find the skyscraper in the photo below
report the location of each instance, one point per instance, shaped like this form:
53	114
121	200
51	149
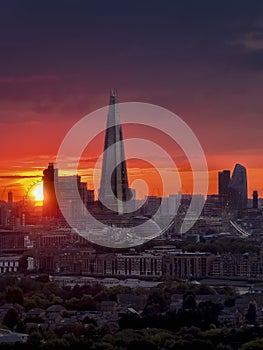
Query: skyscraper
223	182
223	189
255	199
238	188
50	205
114	189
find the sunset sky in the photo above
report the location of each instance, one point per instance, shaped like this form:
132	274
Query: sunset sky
203	60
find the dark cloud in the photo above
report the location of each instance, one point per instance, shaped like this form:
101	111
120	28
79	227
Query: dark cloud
201	59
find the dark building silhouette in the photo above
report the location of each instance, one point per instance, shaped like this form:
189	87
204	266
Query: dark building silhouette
12	241
213	205
255	199
3	213
114	185
10	198
223	187
50	205
223	182
152	205
238	188
65	192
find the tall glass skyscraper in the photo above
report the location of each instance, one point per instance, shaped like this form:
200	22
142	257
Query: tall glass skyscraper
238	188
114	189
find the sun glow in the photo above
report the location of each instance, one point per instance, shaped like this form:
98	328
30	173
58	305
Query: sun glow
37	193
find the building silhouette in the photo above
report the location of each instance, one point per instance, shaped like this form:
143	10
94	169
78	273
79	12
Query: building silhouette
238	188
10	198
223	182
223	187
65	192
114	190
255	199
69	199
50	205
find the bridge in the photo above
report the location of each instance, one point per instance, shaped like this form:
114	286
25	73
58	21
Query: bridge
239	229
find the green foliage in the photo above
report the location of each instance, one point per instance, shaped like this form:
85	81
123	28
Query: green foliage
102	346
221	346
251	313
191	326
14	295
43	278
11	318
55	344
90	331
256	344
35	339
230	301
20	327
189	301
226	245
37	300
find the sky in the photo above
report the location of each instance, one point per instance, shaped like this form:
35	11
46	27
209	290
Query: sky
203	60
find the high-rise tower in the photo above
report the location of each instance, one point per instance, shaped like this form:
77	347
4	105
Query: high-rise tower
238	188
223	189
114	189
50	205
223	182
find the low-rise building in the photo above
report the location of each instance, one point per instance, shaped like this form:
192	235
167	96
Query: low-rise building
9	263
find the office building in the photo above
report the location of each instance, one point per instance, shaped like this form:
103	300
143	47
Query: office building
50	205
238	188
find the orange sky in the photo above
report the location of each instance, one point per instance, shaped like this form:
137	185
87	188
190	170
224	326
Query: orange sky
23	175
29	147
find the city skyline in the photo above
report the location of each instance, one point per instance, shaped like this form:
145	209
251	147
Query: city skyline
131	174
225	178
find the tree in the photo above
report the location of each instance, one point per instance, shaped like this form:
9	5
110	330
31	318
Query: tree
35	339
203	344
251	312
55	344
256	344
20	327
142	344
43	278
208	311
11	318
189	301
14	295
230	301
221	346
90	331
158	297
131	321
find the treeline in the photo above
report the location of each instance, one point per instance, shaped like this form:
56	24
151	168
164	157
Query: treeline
225	245
187	338
158	327
41	292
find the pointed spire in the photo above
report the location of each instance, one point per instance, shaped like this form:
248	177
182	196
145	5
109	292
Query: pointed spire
113	96
114	186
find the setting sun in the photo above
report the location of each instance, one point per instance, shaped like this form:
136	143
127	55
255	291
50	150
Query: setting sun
37	193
